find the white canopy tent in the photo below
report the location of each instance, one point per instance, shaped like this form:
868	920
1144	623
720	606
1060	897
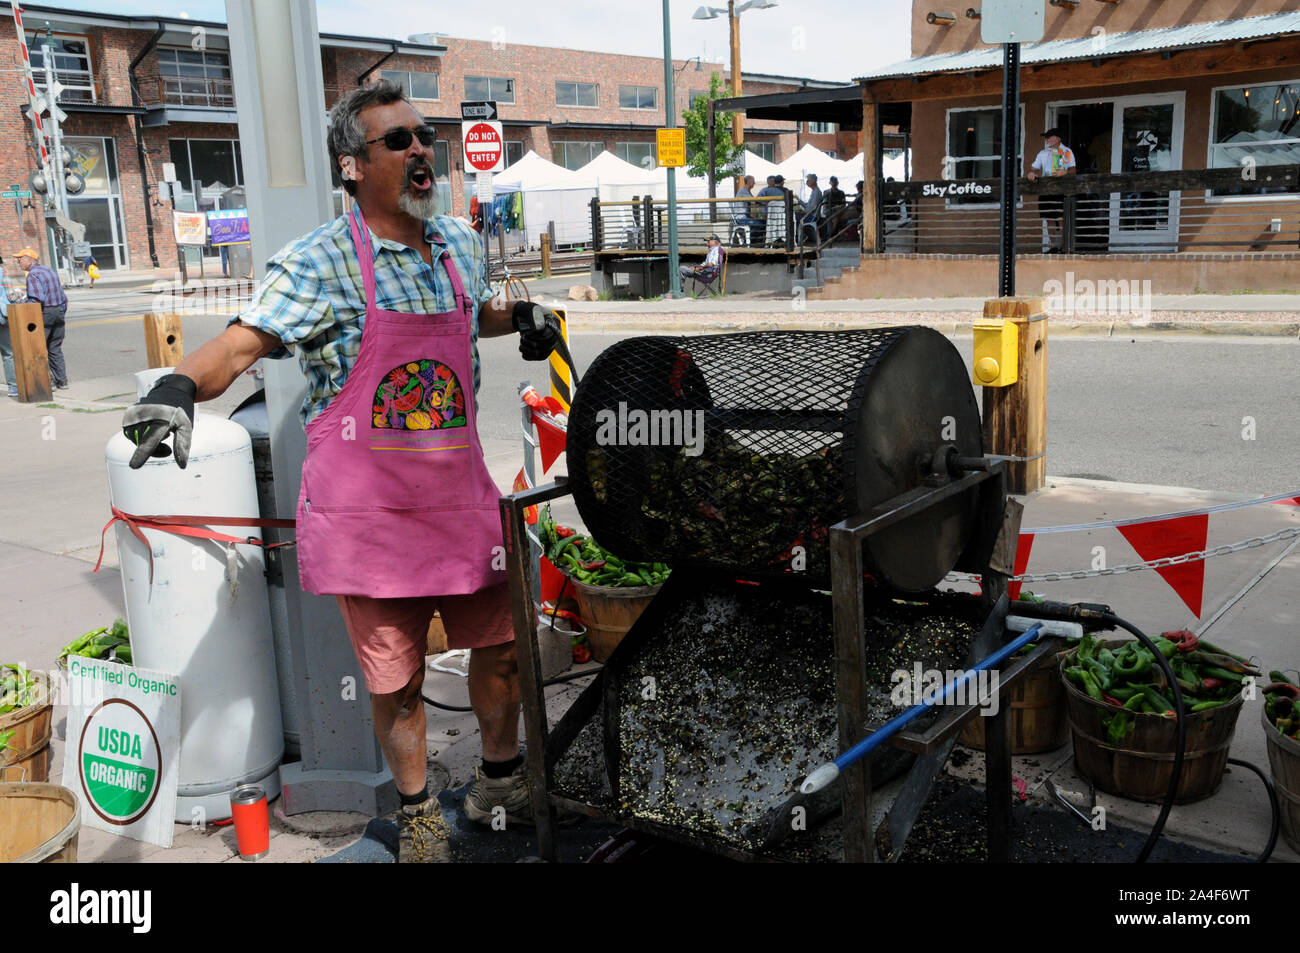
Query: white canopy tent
616	180
759	168
550	193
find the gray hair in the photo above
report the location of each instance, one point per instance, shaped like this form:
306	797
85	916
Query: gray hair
347	136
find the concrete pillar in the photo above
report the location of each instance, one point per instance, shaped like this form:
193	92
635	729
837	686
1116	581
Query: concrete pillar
276	65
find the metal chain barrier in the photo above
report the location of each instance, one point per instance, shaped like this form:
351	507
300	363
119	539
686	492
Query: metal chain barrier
1224	550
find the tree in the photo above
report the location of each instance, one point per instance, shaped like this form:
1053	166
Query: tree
728	158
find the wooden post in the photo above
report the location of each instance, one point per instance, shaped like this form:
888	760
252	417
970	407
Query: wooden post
870	177
1015	417
546	255
31	362
163	346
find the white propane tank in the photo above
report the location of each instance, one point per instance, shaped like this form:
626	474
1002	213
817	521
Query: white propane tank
253	418
200	621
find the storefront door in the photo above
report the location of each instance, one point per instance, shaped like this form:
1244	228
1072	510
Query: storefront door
1141	134
1148	137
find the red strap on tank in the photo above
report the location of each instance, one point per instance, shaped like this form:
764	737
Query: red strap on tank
193	526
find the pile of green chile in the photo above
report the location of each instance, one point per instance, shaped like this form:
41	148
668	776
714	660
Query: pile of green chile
582	558
736	506
1282	704
18	689
1129	679
108	642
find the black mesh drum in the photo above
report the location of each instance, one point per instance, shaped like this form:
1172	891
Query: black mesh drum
741	450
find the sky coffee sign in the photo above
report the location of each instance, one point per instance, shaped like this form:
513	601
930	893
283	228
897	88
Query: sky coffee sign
123	747
951	189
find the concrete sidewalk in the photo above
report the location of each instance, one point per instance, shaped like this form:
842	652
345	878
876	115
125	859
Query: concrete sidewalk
57	503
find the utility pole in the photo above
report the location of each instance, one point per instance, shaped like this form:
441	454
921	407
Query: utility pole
738	117
674	276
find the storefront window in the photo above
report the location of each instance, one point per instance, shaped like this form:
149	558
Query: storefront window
72	67
497	89
99	206
196	78
215	163
574	155
638	153
576	94
1255	126
764	150
638	97
975	147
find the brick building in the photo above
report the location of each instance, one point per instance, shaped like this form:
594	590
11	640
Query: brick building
141	91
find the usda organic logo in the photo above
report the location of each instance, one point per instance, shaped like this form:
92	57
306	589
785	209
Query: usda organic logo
120	761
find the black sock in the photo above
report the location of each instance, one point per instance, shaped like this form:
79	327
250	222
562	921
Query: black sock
419	797
501	769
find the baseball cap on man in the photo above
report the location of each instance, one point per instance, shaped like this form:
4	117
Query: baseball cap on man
1054	131
28	253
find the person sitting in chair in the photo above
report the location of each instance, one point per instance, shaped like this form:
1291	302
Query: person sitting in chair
708	270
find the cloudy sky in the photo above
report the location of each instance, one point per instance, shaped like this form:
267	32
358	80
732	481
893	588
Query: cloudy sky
823	39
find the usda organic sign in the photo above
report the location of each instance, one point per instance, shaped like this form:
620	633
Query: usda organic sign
123	730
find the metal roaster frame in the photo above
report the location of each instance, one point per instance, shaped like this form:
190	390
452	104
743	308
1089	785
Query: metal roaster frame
991	554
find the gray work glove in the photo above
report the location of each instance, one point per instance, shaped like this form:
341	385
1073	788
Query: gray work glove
167	409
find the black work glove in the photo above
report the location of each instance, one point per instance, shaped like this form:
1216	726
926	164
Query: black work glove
168	408
539	330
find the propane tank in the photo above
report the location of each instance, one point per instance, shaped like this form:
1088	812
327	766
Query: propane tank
251	415
206	617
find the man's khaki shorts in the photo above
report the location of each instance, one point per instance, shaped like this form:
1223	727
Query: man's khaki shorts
389	636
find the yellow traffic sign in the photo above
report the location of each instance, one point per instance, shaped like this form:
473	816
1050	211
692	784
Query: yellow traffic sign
672	147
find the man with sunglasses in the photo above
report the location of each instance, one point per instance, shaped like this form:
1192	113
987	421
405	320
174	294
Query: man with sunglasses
397	515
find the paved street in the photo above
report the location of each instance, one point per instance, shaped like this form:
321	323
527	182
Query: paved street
1161	409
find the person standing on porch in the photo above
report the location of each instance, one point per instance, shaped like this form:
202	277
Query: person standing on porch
1054	160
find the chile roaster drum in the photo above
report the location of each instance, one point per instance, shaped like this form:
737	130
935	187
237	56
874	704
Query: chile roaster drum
742	450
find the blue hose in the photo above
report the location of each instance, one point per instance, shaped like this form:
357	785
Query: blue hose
829	771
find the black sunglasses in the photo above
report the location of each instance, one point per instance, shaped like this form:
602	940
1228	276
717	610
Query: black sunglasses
400	139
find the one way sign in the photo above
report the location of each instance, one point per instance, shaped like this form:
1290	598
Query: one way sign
478	110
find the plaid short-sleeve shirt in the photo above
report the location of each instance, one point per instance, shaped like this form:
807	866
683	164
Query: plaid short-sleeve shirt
313	296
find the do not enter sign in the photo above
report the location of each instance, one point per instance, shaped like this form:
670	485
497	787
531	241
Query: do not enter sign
484	148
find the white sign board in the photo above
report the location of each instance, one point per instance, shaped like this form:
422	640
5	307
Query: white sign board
1012	21
123	748
485	148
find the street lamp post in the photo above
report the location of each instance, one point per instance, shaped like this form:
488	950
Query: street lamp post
733	11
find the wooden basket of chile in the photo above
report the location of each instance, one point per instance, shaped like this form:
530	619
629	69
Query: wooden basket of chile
1130	752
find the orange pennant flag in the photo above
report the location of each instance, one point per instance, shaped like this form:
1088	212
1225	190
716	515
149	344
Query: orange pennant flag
1161	538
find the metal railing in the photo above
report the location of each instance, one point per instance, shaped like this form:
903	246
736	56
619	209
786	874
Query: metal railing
79	85
642	223
210	92
1137	213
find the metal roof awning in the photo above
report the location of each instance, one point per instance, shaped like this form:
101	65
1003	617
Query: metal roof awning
166	115
96	108
179	29
1188	36
841	105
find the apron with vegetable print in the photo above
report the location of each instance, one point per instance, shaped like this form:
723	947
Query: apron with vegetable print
396	499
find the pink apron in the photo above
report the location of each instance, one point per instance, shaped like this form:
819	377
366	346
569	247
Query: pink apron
396	499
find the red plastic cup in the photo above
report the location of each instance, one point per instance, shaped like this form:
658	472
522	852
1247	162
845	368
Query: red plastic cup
252	823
